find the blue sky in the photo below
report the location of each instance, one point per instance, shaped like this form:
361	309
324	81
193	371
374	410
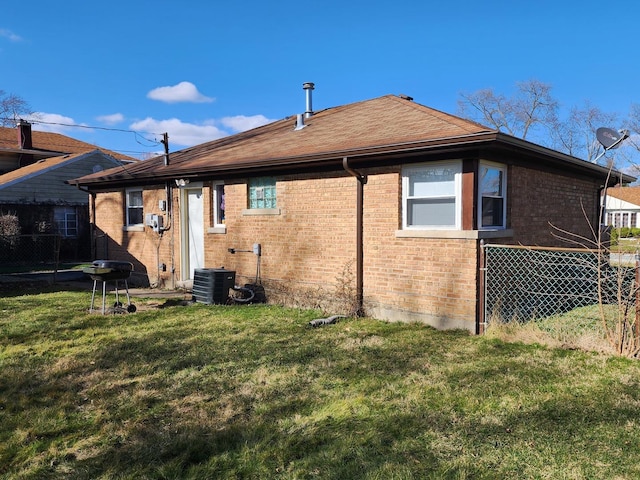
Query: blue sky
200	70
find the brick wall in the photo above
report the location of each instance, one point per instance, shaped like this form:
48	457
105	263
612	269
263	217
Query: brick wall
309	251
309	246
143	247
304	247
422	279
538	200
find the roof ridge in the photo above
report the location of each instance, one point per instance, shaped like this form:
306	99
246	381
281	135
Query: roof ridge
459	121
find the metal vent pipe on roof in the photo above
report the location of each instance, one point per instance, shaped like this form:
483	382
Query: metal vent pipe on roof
308	87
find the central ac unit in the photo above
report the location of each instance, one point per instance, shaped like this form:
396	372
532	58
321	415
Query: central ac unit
211	285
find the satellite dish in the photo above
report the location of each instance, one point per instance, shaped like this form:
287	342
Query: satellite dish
610	138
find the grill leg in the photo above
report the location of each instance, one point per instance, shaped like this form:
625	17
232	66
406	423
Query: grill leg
117	304
126	287
93	296
104	296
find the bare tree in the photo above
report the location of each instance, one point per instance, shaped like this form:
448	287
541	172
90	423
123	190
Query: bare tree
12	107
532	113
532	106
577	134
633	125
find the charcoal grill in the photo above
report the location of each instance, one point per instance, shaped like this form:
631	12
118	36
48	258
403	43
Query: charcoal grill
110	270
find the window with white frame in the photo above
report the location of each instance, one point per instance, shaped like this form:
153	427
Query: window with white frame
432	195
621	219
262	192
615	222
492	192
135	214
66	221
217	200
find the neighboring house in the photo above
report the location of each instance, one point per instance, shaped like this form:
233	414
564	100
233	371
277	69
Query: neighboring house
44	203
622	207
33	168
21	146
379	206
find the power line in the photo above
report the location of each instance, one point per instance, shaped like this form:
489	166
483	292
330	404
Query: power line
139	138
90	127
137	135
75	125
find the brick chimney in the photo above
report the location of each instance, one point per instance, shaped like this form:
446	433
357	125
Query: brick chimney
25	142
24	135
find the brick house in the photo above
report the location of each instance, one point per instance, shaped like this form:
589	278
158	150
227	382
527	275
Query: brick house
378	206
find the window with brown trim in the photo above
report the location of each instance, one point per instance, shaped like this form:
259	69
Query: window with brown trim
492	195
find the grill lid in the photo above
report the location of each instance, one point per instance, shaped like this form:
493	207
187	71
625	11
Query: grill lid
113	265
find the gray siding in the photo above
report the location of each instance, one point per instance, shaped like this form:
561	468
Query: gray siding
49	187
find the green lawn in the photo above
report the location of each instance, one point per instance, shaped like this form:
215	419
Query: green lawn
216	392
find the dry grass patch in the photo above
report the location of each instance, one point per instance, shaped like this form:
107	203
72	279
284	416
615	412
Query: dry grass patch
579	329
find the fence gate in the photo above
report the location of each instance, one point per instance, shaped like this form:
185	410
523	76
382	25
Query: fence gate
527	283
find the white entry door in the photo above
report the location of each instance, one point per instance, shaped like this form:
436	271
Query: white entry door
192	231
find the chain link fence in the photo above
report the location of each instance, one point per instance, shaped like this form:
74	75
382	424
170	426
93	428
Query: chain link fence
529	283
20	253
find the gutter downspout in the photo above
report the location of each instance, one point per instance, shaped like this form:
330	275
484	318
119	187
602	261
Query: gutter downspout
92	224
362	179
169	196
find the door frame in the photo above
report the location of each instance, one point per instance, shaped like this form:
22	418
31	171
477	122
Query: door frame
185	259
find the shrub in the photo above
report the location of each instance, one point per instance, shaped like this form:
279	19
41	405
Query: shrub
624	232
9	224
9	231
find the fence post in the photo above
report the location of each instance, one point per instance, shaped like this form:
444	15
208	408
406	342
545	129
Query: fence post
636	327
480	329
56	255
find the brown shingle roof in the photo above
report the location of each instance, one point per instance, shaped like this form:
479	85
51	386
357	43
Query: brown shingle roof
628	194
367	130
381	122
43	165
52	142
36	167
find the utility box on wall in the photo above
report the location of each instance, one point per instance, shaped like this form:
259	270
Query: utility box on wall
211	285
156	222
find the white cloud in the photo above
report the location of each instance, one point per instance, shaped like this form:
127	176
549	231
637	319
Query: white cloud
10	35
51	122
182	92
112	119
240	123
188	134
180	133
